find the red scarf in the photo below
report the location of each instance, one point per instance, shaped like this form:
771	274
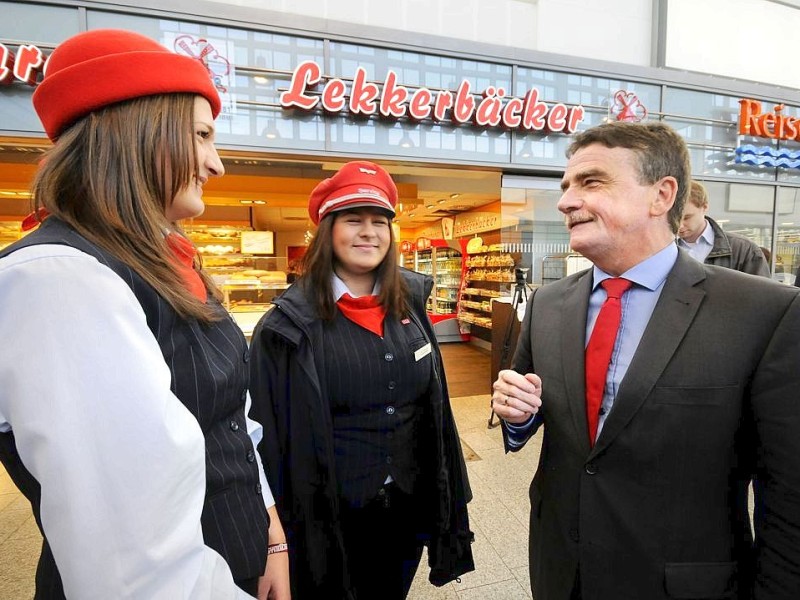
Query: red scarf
365	311
183	253
33	219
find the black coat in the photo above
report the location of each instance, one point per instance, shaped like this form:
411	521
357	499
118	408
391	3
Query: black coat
297	448
735	251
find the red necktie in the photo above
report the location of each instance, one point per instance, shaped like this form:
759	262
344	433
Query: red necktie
600	347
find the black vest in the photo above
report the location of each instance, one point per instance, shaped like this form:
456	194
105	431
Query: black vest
377	392
209	367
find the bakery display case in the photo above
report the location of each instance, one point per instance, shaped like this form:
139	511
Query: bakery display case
489	274
444	261
248	281
247	292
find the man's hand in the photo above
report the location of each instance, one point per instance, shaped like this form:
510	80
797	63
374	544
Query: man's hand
516	397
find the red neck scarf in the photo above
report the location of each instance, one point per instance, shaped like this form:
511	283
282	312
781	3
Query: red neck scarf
183	253
365	311
33	219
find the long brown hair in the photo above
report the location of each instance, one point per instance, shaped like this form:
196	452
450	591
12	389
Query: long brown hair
319	262
112	175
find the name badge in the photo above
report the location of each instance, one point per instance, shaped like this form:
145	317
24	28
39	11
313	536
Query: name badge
422	352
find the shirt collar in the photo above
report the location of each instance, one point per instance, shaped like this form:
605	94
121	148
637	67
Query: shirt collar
340	288
706	237
708	234
650	273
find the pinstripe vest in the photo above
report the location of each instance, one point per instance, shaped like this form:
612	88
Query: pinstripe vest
209	368
378	396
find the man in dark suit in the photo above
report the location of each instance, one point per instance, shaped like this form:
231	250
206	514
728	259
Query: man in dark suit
701	396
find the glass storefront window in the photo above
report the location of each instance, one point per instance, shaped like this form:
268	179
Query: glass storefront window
709	124
787	246
33	24
595	94
540	232
743	209
51	24
250	116
405	138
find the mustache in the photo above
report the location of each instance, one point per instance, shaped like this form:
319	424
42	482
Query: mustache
574	218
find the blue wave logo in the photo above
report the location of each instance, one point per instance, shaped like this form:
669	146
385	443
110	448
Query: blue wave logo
759	156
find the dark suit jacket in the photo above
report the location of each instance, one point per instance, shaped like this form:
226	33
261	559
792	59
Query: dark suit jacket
657	509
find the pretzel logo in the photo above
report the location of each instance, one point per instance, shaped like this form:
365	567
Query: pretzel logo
628	107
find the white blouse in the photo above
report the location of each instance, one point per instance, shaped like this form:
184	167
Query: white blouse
121	462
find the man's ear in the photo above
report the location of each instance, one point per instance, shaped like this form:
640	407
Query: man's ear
666	190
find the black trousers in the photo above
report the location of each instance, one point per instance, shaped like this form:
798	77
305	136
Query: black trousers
248	585
382	545
576	587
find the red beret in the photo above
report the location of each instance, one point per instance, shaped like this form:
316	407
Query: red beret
356	184
97	68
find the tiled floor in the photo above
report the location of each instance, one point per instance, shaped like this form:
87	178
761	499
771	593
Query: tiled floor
498	512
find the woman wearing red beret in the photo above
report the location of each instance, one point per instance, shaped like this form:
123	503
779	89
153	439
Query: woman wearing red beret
123	382
360	444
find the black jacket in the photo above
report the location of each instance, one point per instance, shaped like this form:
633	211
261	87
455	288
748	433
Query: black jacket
736	252
297	448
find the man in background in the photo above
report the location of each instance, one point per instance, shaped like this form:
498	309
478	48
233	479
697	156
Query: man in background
663	387
705	240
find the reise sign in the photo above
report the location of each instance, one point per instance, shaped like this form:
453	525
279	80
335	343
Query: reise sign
392	100
774	125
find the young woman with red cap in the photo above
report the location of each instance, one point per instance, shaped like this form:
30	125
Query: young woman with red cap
123	382
360	444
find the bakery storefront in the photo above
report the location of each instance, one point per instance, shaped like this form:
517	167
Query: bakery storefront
475	142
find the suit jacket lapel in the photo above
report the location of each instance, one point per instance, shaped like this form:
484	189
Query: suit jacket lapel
676	308
573	334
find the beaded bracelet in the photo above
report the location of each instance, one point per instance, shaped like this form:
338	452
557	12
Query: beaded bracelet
275	548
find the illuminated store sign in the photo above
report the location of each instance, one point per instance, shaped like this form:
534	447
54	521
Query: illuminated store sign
393	100
775	126
29	61
23	66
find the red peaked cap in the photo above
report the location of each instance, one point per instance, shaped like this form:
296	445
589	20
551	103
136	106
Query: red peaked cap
356	184
97	68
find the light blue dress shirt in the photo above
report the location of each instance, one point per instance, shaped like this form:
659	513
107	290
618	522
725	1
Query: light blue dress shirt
702	246
637	308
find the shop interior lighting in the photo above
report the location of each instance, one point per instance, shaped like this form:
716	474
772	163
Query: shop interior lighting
245	201
430	206
406	142
792	223
456	195
526	150
271	130
262	79
261	202
441	201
